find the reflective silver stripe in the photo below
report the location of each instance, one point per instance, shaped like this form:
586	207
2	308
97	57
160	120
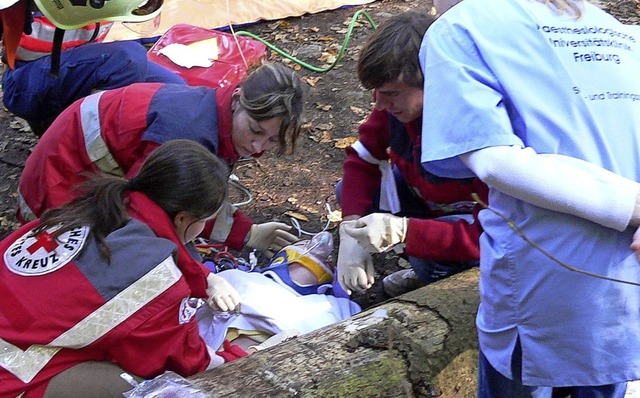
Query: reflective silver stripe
25	210
388	191
26	55
44	33
25	364
94	144
223	223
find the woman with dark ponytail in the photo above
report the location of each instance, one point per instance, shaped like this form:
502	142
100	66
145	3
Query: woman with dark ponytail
108	282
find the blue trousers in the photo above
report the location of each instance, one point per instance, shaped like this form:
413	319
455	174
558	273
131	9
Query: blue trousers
30	92
492	384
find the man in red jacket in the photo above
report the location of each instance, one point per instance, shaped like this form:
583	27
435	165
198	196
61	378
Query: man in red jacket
384	187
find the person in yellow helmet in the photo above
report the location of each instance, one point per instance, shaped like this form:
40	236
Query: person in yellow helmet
56	54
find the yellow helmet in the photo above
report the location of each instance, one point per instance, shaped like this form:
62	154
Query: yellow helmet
73	14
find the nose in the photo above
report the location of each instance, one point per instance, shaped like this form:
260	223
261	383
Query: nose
381	103
260	144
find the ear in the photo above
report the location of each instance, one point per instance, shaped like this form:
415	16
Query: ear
235	97
179	219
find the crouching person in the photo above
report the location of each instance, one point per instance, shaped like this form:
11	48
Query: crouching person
384	184
107	283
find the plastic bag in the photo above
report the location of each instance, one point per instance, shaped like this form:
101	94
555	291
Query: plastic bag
227	69
167	385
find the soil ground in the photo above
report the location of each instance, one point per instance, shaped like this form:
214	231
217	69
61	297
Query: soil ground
301	185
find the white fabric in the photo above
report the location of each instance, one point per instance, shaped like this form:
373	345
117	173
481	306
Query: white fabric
389	199
556	182
268	307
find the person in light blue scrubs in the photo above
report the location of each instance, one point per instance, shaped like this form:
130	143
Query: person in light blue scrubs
541	101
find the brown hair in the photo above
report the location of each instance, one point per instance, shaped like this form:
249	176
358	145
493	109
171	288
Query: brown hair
571	7
179	175
391	52
272	91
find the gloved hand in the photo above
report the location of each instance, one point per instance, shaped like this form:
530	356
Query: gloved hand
270	237
355	265
222	295
378	232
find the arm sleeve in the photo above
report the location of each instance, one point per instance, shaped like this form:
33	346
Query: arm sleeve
361	180
557	182
442	240
230	227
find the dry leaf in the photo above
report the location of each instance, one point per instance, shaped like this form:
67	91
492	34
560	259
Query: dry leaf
292	200
323	107
357	111
335	216
345	142
325	38
325	126
314	29
326	137
327	58
312	81
296	215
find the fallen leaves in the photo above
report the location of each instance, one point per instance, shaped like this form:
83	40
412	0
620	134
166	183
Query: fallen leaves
311	80
345	142
323	107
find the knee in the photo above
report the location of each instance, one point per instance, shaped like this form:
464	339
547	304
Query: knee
132	56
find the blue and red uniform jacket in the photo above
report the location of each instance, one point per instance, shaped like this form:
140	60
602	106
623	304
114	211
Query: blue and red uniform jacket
386	138
64	304
114	131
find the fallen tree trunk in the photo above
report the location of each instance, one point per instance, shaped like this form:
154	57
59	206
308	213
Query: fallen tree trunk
421	344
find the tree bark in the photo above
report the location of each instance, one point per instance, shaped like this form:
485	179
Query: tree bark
421	344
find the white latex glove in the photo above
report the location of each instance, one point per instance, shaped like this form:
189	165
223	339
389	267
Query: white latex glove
222	296
270	237
378	232
355	265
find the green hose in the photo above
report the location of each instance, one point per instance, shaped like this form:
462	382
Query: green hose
304	64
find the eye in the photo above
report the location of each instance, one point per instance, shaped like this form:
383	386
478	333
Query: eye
273	139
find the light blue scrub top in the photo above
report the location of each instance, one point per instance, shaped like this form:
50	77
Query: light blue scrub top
512	72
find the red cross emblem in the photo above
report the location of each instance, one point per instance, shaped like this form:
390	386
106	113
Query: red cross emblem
44	240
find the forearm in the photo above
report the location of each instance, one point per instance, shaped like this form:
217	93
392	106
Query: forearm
559	183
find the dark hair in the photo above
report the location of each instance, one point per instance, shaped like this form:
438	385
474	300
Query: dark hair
391	52
179	175
271	91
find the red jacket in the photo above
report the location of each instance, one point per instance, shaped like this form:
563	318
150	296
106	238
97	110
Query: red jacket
386	138
63	304
114	131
